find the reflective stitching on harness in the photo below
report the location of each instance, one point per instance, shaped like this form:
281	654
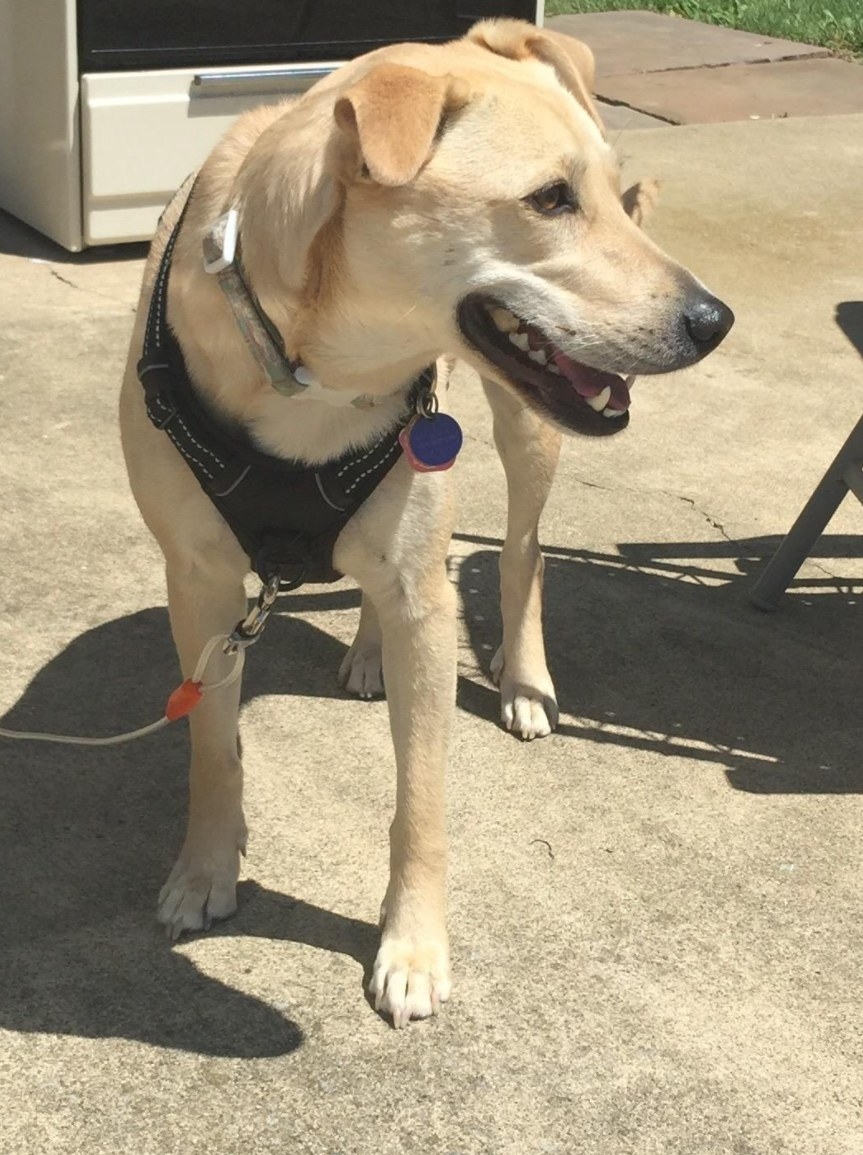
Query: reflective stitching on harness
202	448
231	488
323	493
160	401
185	453
373	467
159	291
360	460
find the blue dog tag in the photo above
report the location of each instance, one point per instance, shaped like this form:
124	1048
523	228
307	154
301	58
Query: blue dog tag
431	443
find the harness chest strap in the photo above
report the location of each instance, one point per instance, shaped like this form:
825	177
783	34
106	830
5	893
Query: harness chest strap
284	514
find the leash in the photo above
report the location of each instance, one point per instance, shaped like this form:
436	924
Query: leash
189	693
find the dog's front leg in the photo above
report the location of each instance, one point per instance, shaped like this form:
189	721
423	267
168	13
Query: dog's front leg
411	972
360	671
207	599
529	449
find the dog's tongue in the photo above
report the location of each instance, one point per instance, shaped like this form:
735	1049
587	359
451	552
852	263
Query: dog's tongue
589	382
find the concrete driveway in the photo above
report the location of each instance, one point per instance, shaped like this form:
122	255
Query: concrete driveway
656	912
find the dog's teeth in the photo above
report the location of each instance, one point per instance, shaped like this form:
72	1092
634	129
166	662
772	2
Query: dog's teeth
630	380
506	321
601	400
520	341
539	356
552	368
613	412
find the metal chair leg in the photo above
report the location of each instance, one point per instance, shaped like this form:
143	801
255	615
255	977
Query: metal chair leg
844	475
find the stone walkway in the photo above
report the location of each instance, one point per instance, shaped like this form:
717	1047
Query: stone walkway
654	70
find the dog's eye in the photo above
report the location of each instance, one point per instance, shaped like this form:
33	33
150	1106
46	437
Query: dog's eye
552	199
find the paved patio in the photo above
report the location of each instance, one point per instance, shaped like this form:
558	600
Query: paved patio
655	912
654	69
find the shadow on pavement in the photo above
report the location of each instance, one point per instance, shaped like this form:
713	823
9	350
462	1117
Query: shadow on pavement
87	837
653	648
849	318
19	240
657	648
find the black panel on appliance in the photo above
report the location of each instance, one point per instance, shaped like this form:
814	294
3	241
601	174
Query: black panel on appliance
121	35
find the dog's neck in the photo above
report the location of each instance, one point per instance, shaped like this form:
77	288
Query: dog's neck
369	348
229	376
289	377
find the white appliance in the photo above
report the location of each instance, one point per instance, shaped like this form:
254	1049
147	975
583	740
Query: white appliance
107	105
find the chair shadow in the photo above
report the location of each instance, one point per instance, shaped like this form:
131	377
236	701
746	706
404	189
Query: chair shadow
658	648
87	838
849	318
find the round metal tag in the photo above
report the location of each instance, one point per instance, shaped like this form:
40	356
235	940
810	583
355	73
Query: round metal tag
431	444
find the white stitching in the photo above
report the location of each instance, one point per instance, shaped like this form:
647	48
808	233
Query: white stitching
163	281
372	468
190	457
360	460
202	448
159	290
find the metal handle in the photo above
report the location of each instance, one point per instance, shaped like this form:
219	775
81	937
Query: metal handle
291	78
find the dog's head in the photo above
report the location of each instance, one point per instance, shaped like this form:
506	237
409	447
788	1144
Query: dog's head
463	200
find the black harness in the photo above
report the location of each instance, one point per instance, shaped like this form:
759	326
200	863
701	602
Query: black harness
285	515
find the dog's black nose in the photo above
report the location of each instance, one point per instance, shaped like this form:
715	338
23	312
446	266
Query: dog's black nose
707	321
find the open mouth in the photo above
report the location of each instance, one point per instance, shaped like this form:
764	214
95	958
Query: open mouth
577	396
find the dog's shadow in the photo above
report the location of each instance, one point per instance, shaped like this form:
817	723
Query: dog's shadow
87	838
654	647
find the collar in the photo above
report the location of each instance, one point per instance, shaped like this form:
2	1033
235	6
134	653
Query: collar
289	377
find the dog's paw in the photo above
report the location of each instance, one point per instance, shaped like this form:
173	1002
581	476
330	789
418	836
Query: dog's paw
199	892
411	978
528	707
361	671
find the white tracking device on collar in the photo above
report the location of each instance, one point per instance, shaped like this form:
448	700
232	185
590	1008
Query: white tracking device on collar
220	243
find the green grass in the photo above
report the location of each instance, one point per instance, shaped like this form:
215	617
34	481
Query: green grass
836	24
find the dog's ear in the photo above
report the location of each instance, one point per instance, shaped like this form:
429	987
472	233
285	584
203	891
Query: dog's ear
640	200
570	58
394	113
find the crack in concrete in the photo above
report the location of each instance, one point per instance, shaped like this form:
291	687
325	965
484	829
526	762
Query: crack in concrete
665	118
833	577
63	280
736	541
711	521
753	61
93	292
605	488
